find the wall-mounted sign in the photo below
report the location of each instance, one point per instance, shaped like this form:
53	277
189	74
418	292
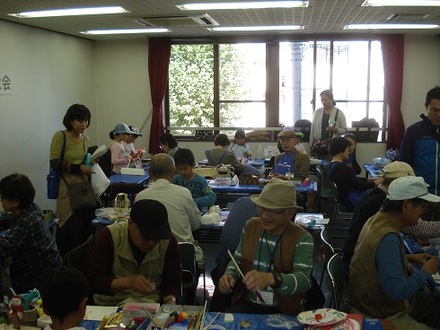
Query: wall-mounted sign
5	84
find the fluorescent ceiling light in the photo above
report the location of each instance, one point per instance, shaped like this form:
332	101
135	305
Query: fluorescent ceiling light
126	31
401	3
243	5
71	12
257	28
391	26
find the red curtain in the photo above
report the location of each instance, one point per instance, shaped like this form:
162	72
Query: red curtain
159	50
392	52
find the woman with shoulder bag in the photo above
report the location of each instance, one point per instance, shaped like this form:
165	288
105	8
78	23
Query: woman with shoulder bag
328	122
73	226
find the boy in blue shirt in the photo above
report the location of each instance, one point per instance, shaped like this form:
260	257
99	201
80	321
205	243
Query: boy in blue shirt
197	184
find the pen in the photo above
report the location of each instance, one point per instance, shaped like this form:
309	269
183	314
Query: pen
242	275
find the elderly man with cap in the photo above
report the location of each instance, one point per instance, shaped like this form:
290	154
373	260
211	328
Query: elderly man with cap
274	254
136	260
291	163
379	284
370	203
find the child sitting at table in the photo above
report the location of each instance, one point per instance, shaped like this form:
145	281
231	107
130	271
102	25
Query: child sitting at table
240	147
64	292
197	184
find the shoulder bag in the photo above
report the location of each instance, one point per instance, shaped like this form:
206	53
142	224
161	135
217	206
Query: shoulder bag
321	146
81	195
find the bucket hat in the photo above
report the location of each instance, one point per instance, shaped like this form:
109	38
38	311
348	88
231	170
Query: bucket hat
278	194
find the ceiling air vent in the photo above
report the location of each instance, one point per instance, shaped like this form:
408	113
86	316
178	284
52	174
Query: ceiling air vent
204	20
407	18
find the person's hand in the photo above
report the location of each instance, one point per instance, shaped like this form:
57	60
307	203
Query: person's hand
86	170
331	129
279	176
226	284
431	265
378	181
140	284
419	258
255	280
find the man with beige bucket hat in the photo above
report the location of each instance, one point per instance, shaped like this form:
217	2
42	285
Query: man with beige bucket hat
274	254
371	202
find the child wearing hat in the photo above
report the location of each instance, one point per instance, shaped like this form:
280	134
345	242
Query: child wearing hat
120	155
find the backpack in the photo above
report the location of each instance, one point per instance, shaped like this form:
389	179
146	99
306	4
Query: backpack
303	125
365	136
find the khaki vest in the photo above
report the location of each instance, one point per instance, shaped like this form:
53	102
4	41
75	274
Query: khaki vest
366	293
290	305
125	265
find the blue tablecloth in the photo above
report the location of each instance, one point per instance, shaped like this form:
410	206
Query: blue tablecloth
256	321
125	179
256	189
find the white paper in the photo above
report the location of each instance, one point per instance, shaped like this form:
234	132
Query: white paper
96	313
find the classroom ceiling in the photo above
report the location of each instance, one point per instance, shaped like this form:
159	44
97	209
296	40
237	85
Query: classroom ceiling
321	17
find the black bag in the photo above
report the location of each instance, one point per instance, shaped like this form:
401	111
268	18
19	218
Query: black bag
303	126
82	196
320	147
204	135
368	135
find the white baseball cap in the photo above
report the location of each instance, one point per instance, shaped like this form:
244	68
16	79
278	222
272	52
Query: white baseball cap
409	187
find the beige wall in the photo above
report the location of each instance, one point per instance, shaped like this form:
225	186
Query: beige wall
51	71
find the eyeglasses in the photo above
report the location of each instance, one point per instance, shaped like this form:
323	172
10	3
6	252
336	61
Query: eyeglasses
269	212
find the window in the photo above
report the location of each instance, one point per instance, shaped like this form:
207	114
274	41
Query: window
270	84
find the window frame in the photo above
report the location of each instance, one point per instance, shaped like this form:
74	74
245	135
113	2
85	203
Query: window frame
273	74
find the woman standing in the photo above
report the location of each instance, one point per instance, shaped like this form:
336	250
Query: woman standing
328	122
73	226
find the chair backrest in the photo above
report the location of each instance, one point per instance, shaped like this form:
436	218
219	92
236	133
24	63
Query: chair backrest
336	274
188	261
329	251
338	207
320	175
79	257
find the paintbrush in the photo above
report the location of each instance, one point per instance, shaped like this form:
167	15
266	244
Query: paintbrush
242	275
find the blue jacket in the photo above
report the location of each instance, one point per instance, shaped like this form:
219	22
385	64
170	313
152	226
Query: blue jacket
420	149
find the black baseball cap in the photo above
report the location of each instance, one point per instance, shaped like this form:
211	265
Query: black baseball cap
151	218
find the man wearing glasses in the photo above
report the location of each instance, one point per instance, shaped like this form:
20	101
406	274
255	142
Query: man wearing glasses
291	163
274	255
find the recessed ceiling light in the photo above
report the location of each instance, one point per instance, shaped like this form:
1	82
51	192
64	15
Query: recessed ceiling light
71	12
257	28
243	5
391	26
401	3
126	31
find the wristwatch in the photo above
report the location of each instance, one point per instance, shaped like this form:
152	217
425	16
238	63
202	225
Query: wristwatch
278	279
